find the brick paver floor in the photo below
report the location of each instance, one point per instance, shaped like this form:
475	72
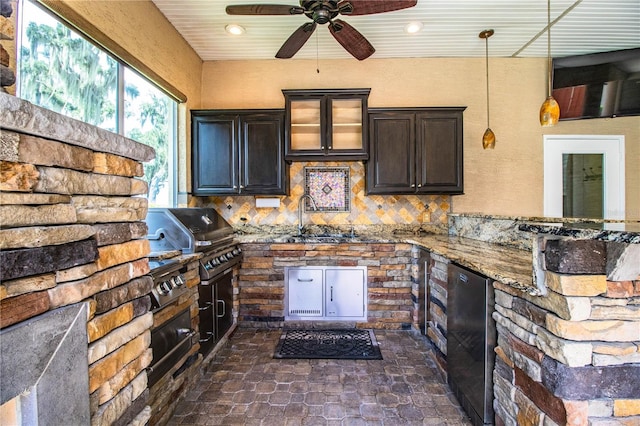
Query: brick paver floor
245	385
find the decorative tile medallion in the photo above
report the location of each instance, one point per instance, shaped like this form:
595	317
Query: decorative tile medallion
329	187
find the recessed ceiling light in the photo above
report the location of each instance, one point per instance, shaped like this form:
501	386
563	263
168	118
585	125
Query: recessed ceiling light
413	27
234	29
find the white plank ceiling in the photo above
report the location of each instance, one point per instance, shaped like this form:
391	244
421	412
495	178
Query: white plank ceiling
451	29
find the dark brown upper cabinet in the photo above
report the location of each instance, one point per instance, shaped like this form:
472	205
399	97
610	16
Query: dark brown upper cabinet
238	152
415	151
326	125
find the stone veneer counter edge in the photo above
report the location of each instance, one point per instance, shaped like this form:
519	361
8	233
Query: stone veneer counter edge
22	116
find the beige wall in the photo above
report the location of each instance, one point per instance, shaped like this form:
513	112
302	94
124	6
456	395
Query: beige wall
141	31
505	181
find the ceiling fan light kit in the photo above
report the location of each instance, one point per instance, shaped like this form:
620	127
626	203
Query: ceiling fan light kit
325	12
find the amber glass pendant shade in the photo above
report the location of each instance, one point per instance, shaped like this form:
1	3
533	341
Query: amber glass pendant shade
549	112
488	139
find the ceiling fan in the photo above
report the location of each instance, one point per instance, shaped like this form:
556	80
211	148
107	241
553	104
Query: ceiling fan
322	12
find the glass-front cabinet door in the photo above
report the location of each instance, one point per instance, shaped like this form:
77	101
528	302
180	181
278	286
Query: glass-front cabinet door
324	125
346	124
306	126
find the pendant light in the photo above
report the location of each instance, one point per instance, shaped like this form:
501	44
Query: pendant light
550	110
489	138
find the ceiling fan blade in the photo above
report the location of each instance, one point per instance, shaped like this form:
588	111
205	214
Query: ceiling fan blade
296	40
263	9
351	39
369	7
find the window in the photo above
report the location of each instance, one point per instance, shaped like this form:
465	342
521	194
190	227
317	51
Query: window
584	176
60	70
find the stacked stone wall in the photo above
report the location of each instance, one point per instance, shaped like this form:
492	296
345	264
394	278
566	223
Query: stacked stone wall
437	304
73	232
573	355
389	286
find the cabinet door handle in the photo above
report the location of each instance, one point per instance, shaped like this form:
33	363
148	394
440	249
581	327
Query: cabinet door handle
331	293
322	147
241	186
208	333
224	309
207	306
330	147
413	185
305	280
419	185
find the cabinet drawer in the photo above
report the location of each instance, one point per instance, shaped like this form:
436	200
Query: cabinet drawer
304	292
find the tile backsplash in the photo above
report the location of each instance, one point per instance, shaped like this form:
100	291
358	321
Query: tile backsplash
364	209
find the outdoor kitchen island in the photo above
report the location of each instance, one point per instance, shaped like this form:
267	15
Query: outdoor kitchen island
567	346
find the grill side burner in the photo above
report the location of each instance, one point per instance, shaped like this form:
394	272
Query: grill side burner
173	339
168	282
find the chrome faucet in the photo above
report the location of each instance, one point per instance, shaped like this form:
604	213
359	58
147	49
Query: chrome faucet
313	204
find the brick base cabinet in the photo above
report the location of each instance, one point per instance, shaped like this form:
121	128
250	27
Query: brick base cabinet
572	356
261	280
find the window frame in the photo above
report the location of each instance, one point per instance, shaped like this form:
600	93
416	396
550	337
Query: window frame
52	9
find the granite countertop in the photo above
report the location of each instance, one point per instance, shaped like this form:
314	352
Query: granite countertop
505	264
611	230
621	232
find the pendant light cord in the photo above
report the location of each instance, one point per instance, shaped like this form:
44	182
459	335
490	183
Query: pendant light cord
549	70
486	44
317	55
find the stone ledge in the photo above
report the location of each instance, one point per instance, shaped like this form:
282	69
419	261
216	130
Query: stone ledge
587	383
34	261
22	116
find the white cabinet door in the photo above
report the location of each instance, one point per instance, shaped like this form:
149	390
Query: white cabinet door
304	293
344	293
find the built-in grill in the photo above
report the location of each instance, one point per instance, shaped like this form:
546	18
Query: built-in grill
201	230
194	230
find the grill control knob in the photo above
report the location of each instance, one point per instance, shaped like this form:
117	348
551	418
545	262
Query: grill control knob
208	266
215	261
236	251
229	255
223	258
164	287
179	280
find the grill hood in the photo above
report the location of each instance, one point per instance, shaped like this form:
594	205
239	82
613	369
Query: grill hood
188	229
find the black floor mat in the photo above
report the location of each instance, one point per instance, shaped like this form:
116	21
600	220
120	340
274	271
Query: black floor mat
328	344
